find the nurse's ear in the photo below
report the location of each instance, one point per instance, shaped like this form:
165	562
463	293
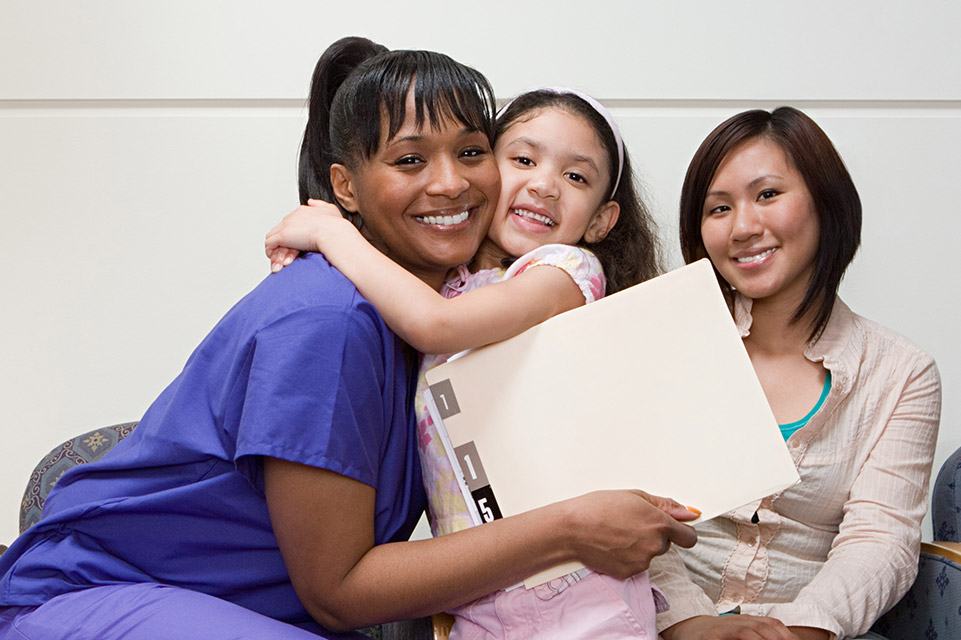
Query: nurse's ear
343	185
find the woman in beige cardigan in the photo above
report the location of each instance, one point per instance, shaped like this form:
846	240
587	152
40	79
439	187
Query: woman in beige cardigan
767	198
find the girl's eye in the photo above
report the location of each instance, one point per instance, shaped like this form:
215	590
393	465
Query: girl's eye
721	208
767	193
576	177
524	161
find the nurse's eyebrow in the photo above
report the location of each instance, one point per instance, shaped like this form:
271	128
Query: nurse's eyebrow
417	137
411	138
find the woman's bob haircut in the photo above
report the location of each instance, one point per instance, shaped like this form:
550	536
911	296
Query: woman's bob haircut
836	201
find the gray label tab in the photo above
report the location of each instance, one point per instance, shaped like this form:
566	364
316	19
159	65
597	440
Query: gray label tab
444	398
470	464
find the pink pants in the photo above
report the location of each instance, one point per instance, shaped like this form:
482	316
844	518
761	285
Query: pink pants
572	607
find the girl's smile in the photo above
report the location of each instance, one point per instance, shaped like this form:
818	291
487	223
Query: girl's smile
536	219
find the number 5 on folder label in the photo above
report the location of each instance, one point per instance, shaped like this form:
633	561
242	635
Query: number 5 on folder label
486	504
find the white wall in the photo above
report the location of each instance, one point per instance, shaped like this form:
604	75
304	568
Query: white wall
145	149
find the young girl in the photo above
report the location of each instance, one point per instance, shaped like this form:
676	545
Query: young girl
567	201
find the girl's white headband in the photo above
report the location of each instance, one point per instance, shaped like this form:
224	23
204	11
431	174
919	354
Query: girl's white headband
599	108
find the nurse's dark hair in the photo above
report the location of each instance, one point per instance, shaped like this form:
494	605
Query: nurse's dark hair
630	253
835	198
358	84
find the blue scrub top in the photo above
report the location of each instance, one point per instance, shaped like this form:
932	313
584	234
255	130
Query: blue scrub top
303	369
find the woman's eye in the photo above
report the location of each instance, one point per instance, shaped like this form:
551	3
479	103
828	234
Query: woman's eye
473	152
721	208
767	193
408	160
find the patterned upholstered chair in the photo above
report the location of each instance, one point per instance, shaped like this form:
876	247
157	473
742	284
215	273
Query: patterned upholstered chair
93	445
84	448
931	610
946	500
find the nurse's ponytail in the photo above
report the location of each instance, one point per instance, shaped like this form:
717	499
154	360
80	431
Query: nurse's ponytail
318	150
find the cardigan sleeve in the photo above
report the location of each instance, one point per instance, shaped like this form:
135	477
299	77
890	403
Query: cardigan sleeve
684	598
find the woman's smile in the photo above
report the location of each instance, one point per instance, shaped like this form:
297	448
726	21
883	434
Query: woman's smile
754	258
447	217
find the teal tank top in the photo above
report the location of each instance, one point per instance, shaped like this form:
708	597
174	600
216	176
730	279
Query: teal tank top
787	430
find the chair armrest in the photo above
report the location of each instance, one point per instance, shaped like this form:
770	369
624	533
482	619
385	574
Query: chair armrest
949	550
930	607
443	623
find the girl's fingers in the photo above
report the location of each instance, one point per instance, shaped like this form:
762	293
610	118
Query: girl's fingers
270	240
276	262
296	229
281	257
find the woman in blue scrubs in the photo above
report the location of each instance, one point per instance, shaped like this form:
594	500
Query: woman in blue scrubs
270	490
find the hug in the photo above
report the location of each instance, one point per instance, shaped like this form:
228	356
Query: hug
275	482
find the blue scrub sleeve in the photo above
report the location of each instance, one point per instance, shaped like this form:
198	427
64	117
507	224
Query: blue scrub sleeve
316	393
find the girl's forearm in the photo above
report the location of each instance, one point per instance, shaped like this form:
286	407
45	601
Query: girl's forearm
433	324
410	307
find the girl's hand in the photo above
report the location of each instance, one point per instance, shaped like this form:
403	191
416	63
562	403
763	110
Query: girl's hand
306	228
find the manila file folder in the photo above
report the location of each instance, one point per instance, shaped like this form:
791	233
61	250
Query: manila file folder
649	388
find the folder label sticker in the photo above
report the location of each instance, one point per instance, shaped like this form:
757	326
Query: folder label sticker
443	394
476	479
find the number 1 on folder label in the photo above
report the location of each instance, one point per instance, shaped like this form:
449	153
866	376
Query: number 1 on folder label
476	479
470	467
445	399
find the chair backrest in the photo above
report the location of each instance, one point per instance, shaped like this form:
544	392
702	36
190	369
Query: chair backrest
930	607
946	500
84	448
